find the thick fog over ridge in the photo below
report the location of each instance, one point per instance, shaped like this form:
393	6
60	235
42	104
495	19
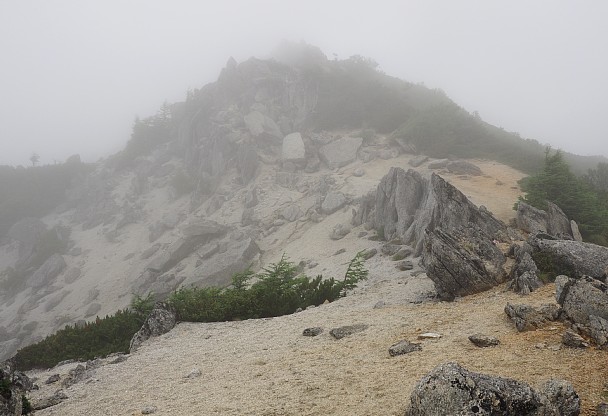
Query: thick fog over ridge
75	74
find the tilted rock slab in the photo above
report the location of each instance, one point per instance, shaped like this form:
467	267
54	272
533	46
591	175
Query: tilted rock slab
161	320
449	389
553	221
454	237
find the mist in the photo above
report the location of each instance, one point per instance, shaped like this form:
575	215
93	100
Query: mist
76	74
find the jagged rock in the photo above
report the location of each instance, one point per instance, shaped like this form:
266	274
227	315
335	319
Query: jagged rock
71	275
526	317
46	273
482	340
438	164
460	265
218	269
293	148
461	167
261	126
379	305
449	389
53	379
417	161
574	340
194	373
602	409
524	274
333	201
339	231
292	212
340	152
345	331
75	375
558	224
312	332
578	259
582	298
403	347
161	320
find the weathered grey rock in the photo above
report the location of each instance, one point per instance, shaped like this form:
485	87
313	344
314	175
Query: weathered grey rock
369	253
379	305
526	317
150	251
332	202
46	273
261	126
404	265
218	269
582	298
312	332
389	249
92	310
71	275
438	164
558	398
602	409
599	330
251	197
417	161
403	347
293	148
452	390
247	163
161	320
576	234
148	410
461	167
553	221
574	340
339	231
201	227
292	212
345	331
76	375
46	402
578	259
525	274
340	152
53	379
482	340
358	172
313	164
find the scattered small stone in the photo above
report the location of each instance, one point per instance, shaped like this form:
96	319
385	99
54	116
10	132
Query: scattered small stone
298	310
555	347
574	340
429	335
379	305
53	400
541	345
148	410
403	347
119	359
312	332
342	250
602	409
345	331
312	264
362	234
358	172
52	379
310	307
195	372
482	340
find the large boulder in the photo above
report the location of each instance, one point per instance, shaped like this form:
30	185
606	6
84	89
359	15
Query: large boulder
46	273
340	152
524	274
332	202
553	221
449	389
455	238
161	320
462	167
293	148
573	258
582	298
261	126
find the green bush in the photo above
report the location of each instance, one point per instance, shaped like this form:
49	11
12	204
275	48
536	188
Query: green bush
551	266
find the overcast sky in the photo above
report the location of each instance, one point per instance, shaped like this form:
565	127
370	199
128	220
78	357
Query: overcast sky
74	74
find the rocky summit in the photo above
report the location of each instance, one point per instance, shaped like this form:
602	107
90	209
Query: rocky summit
274	161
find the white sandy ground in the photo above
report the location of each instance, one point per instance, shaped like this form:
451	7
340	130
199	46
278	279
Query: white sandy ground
266	366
